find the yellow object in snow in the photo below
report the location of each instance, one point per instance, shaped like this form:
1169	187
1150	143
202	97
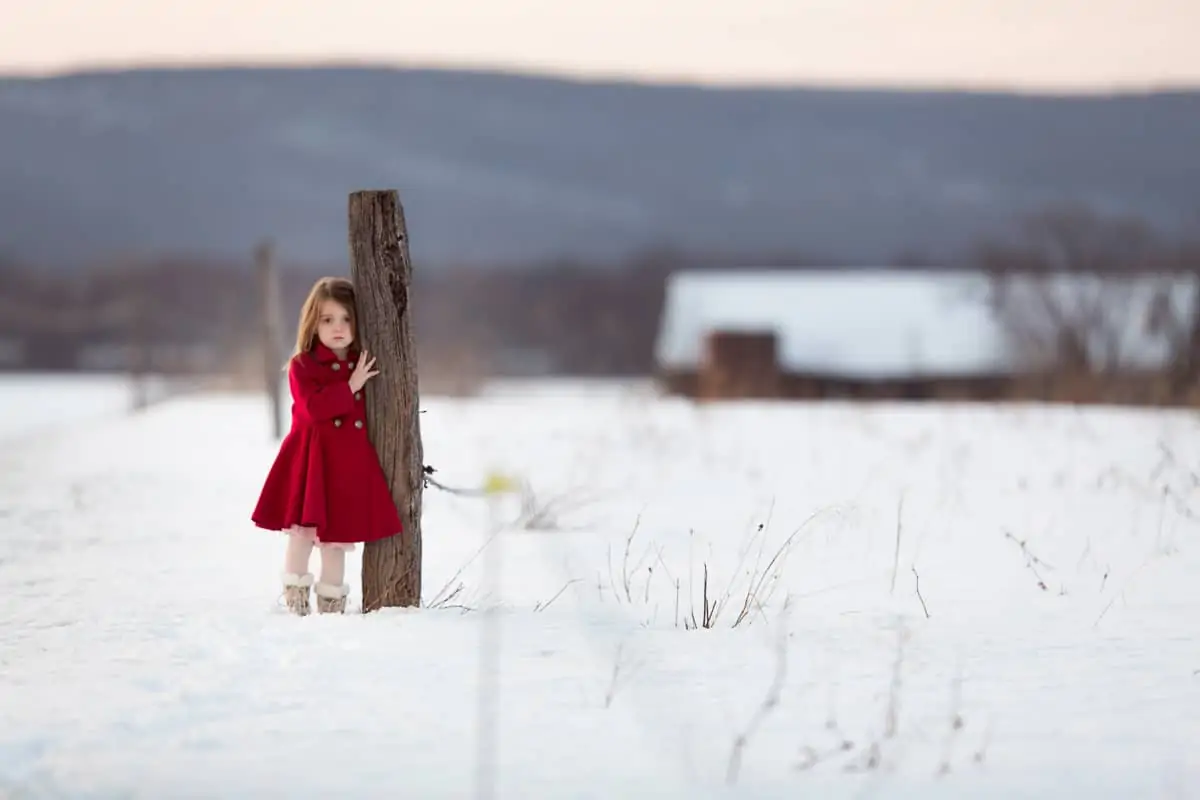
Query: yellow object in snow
499	483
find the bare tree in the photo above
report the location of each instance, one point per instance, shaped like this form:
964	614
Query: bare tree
1175	315
1077	291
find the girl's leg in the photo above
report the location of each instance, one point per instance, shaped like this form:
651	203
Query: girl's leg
296	577
298	554
332	589
333	566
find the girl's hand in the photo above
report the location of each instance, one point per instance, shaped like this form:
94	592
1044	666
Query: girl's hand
363	371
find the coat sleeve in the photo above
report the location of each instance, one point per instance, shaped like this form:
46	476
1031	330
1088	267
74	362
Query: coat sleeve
316	400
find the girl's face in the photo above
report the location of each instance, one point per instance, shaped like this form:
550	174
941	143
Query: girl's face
334	328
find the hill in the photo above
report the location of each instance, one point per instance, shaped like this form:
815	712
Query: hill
499	169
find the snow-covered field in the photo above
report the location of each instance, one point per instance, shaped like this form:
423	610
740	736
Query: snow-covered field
956	602
31	404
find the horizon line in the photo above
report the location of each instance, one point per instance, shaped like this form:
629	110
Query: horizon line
594	76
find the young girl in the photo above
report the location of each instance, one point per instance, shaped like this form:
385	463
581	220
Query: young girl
326	488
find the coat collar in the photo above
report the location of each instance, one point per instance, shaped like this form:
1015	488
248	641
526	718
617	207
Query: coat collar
323	355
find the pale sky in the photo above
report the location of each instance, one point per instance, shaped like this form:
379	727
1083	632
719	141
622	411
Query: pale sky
1033	45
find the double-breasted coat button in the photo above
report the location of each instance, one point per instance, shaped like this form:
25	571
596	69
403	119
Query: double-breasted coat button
358	395
358	423
337	423
351	365
336	366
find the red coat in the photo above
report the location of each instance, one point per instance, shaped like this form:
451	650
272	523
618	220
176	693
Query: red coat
327	473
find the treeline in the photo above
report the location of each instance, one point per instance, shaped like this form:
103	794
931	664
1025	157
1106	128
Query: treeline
561	318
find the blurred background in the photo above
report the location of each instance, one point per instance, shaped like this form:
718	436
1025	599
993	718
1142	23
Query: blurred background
811	199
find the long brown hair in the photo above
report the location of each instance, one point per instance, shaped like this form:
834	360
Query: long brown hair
339	290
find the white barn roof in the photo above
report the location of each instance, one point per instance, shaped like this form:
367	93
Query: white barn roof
858	323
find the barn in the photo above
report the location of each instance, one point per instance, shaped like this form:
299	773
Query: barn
918	334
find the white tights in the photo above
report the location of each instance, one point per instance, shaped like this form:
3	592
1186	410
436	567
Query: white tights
299	551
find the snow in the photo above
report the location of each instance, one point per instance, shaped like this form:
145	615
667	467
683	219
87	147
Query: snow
879	323
144	650
31	404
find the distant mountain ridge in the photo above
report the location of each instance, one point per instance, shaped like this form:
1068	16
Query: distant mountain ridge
499	169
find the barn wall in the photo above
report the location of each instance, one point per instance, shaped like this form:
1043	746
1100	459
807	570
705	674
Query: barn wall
739	365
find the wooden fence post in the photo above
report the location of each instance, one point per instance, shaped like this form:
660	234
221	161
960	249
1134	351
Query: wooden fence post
272	333
382	273
138	339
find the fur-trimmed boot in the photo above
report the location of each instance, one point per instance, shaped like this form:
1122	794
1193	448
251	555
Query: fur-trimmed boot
331	598
295	593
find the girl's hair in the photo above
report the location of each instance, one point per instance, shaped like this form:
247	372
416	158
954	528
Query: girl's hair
339	290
